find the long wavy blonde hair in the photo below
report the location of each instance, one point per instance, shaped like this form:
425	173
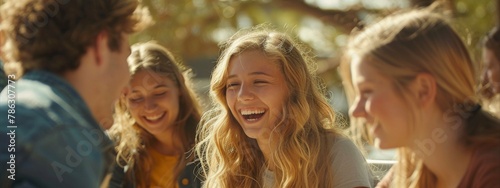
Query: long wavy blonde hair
404	45
132	140
304	134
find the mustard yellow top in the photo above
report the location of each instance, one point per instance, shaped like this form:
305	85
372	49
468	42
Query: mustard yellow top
162	173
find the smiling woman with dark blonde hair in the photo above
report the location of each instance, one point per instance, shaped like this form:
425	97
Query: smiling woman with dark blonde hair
155	122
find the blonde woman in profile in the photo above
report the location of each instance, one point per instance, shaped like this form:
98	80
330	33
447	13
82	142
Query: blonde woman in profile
413	85
155	123
272	125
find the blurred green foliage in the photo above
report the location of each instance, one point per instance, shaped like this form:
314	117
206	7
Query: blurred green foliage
193	28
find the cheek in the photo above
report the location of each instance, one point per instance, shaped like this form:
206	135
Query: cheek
230	101
394	113
230	98
276	102
173	104
380	107
133	109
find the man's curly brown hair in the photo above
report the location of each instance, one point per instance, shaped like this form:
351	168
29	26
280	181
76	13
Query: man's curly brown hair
54	34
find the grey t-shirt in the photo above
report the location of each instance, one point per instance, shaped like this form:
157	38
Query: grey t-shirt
350	167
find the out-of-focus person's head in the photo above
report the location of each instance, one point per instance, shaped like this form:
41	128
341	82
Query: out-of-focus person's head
397	56
83	41
54	34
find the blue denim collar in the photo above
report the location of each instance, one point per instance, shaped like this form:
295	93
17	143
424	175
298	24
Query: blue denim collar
65	90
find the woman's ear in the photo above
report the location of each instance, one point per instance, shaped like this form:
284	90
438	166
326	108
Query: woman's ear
123	97
125	92
424	89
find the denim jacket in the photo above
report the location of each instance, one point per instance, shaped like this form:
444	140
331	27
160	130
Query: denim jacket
189	177
57	141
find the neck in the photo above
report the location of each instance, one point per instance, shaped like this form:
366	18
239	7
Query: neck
265	147
443	152
84	79
88	91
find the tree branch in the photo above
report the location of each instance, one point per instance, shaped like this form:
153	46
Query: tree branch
345	20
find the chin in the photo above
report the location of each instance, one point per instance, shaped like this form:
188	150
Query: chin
251	134
259	134
380	144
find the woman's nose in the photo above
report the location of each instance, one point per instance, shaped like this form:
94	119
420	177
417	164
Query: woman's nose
245	93
150	104
357	109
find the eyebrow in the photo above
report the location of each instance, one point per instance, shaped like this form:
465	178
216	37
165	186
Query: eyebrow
253	73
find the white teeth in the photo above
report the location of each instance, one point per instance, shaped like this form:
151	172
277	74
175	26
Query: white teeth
251	119
250	112
152	118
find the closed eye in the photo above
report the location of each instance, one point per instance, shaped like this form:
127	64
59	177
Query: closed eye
137	99
260	82
160	94
232	85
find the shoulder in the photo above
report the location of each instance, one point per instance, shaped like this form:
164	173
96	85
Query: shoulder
190	177
349	164
484	168
30	98
344	145
47	137
344	151
29	119
37	119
